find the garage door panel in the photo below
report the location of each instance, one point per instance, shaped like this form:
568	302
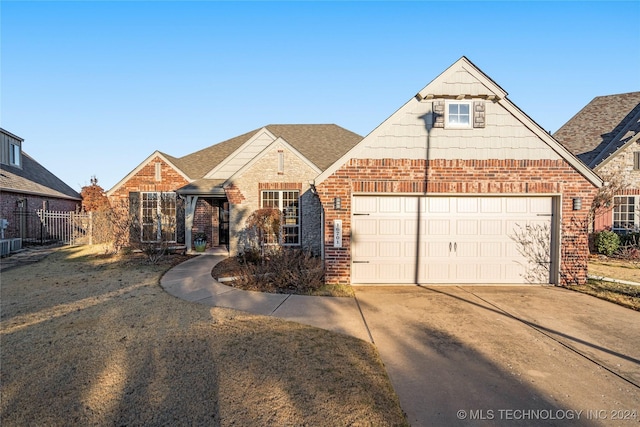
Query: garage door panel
390	204
390	249
466	250
438	249
411	227
466	205
366	227
389	227
439	205
465	239
439	227
467	227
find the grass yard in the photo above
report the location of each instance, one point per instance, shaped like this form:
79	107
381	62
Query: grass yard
625	295
92	340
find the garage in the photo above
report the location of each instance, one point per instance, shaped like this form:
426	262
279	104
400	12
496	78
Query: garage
453	239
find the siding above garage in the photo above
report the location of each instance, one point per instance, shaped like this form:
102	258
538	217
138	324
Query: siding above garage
412	133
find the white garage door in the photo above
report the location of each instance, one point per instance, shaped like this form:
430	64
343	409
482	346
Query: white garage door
456	239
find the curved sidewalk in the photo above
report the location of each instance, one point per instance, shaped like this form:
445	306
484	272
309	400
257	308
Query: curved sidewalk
192	281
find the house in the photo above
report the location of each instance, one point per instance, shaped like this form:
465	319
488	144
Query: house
25	187
214	190
457	186
605	135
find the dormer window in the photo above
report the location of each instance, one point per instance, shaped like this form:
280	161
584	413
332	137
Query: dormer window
458	115
14	155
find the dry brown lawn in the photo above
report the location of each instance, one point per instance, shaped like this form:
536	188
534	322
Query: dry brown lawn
619	293
93	340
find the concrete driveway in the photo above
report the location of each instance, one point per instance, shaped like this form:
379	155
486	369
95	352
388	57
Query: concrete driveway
509	355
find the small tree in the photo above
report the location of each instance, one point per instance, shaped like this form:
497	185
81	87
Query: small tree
94	197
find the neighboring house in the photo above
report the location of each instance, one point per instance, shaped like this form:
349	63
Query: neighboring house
214	190
605	135
449	189
26	186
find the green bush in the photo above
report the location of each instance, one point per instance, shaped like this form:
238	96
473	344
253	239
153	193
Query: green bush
630	239
607	242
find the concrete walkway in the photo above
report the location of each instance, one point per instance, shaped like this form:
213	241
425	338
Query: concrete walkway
192	281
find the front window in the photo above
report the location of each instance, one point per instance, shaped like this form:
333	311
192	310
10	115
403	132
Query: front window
158	217
458	115
286	202
625	214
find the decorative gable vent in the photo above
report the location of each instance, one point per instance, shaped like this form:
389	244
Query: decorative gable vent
636	160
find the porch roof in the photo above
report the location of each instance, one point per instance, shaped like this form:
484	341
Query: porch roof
203	187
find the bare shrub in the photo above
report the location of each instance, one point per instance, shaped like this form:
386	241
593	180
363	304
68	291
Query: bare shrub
285	271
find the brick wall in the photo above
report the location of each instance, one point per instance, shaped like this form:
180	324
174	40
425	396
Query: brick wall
144	180
456	177
9	202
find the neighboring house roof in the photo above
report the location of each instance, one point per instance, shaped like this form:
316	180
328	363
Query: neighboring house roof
33	178
602	128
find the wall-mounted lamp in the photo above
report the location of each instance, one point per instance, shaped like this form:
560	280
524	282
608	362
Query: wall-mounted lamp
577	203
337	203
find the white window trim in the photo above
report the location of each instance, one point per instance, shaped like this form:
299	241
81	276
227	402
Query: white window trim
15	155
636	216
449	125
283	226
158	216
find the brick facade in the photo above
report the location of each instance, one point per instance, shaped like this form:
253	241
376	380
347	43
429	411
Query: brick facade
458	177
145	179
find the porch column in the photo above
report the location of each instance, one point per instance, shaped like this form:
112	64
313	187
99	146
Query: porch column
189	213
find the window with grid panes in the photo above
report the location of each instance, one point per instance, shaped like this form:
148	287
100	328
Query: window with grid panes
158	216
625	217
287	202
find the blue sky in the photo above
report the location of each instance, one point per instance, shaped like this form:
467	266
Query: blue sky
95	87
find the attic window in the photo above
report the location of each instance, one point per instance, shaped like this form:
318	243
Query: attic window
636	160
458	115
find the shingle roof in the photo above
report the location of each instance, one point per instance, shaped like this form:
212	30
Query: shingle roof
321	144
33	178
602	127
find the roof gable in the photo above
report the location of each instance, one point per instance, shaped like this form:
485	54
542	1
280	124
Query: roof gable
510	134
164	157
279	142
602	127
462	77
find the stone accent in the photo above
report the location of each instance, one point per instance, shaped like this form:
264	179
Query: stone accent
244	193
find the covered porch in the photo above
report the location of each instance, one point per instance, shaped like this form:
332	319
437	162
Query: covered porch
206	211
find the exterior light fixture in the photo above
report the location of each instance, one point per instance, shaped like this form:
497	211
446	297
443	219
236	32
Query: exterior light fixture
577	203
337	203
